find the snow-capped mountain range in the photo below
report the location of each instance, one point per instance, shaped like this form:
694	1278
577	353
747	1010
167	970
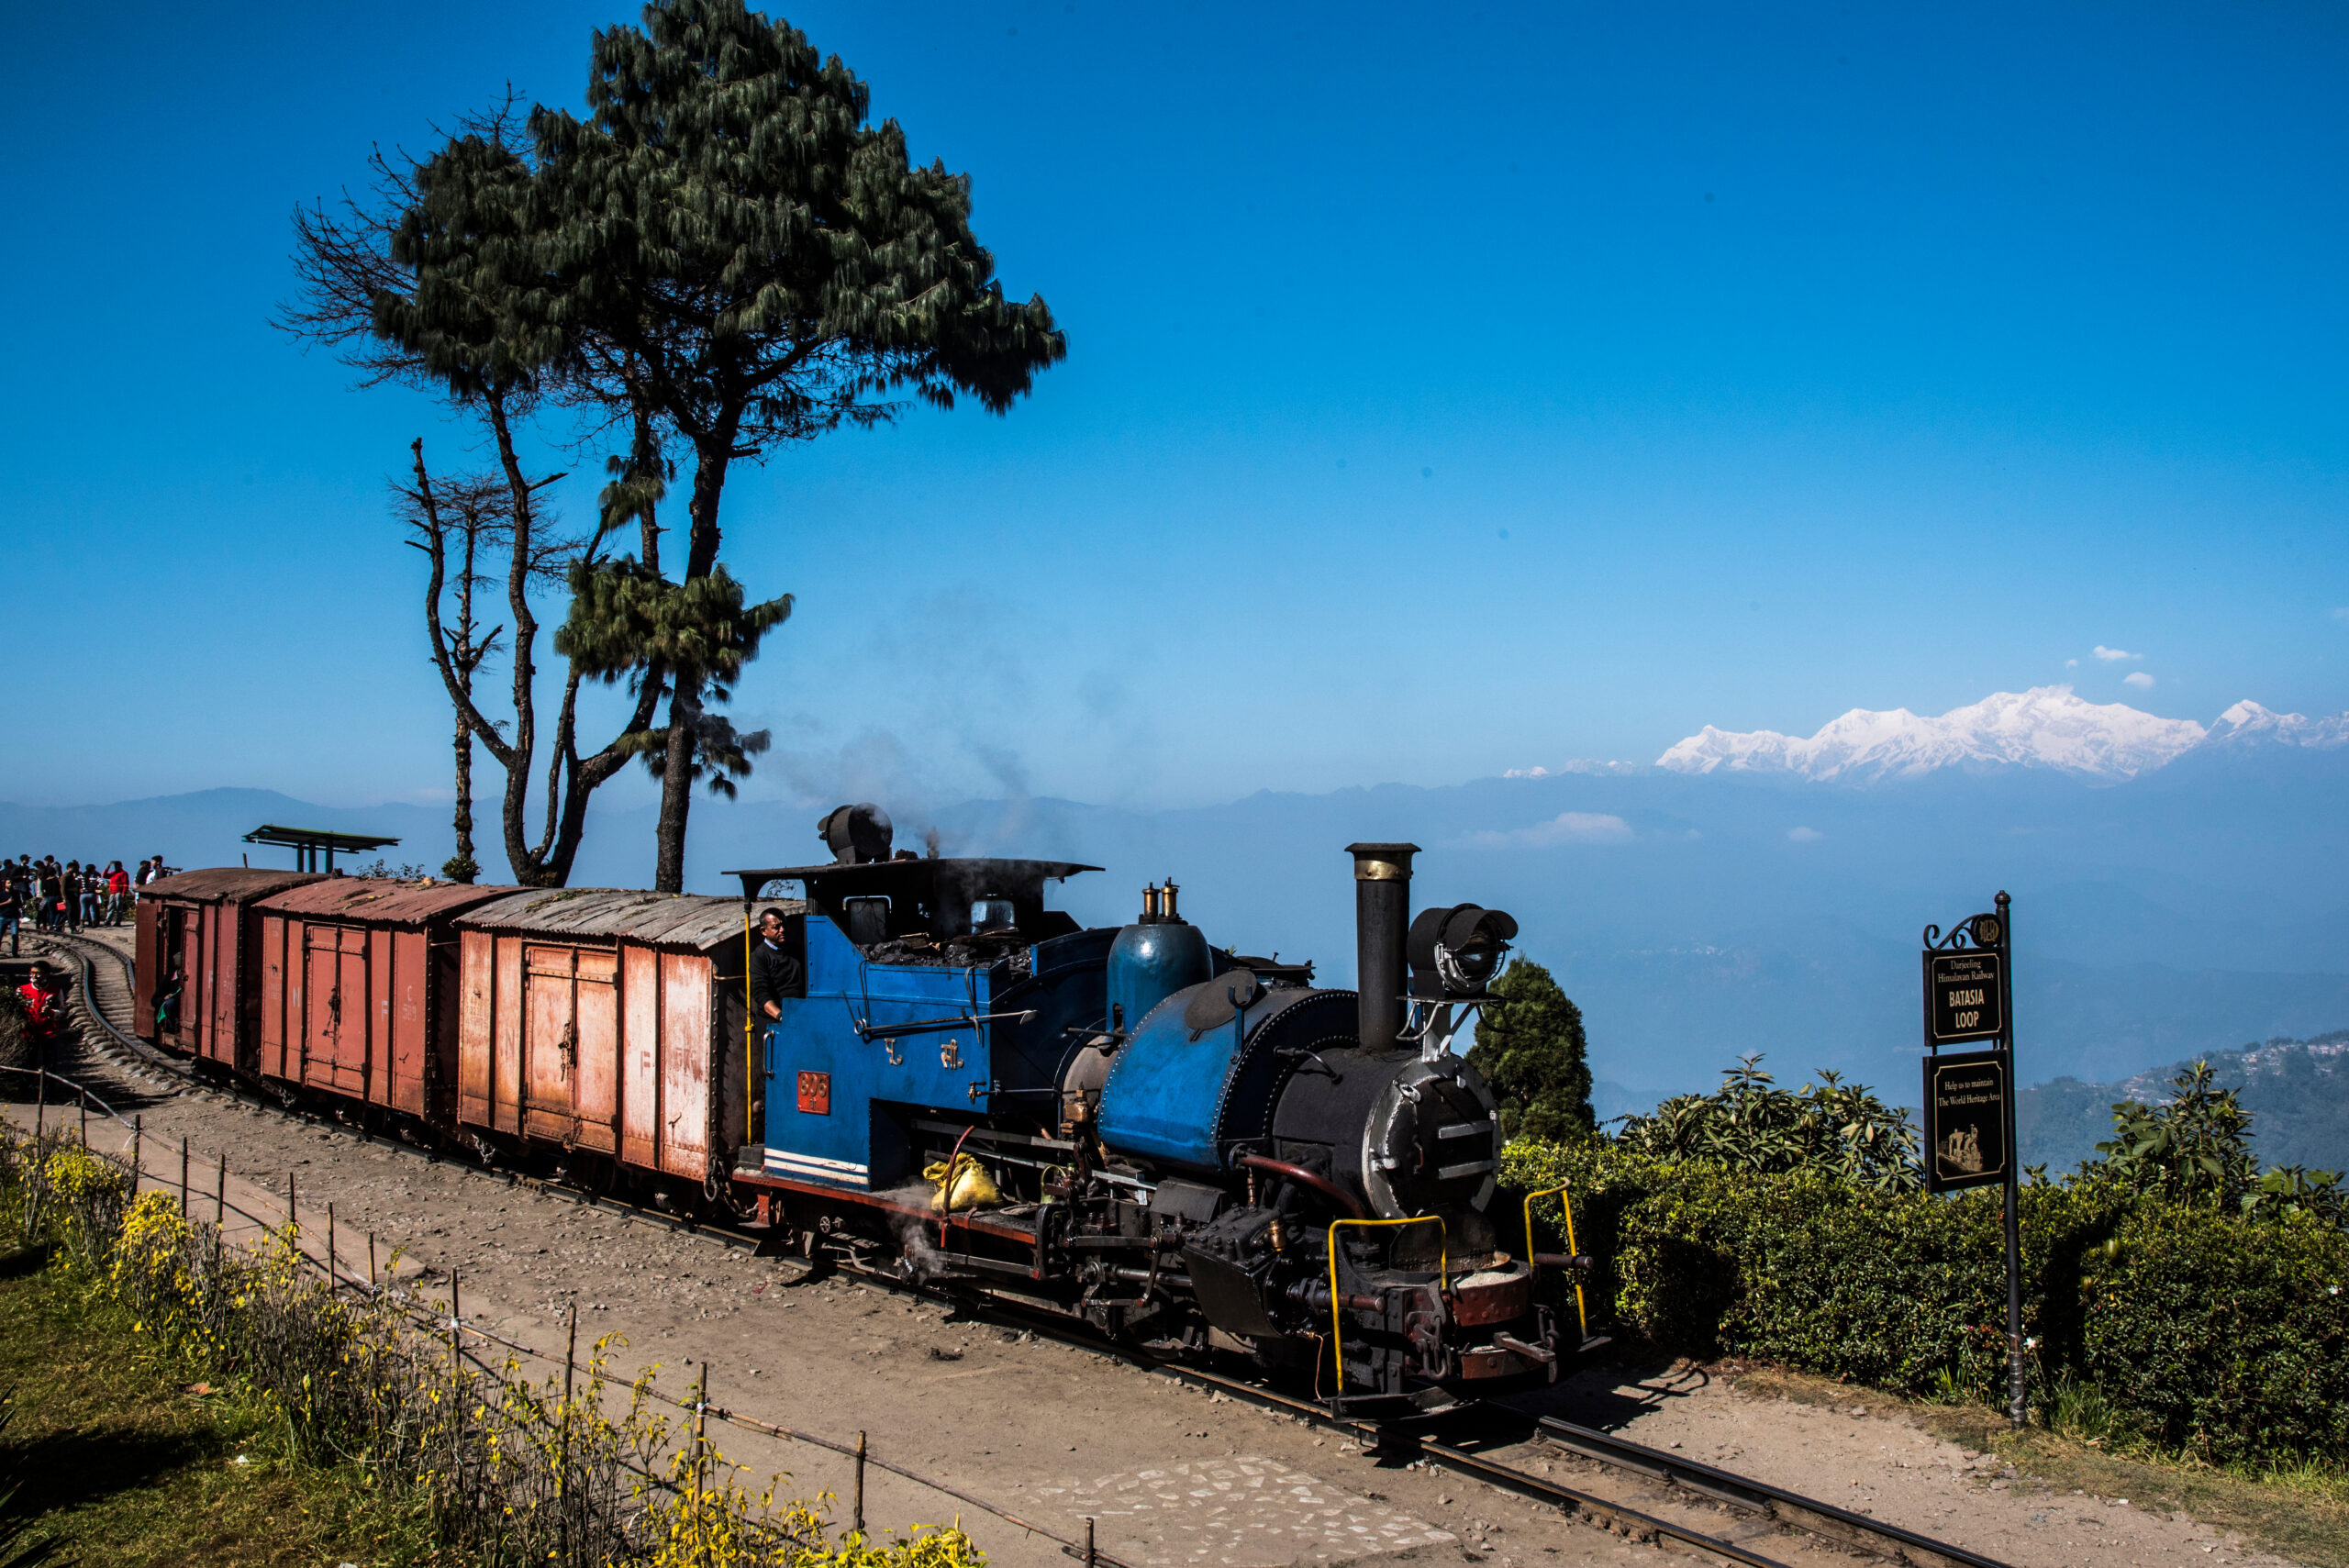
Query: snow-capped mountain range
2046	727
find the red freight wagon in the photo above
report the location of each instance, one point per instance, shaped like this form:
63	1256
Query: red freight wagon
359	988
199	926
610	1022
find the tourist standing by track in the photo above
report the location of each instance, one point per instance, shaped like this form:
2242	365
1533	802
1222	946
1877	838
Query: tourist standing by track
52	884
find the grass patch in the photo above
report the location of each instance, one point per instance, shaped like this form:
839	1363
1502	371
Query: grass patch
120	1463
2301	1512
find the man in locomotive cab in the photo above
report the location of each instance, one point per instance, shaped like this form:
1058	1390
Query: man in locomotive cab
777	973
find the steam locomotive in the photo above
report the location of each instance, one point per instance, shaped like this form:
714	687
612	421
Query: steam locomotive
1181	1144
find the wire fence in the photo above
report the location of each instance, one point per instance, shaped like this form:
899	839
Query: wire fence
451	1324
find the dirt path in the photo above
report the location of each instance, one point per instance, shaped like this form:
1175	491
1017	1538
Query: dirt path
1172	1475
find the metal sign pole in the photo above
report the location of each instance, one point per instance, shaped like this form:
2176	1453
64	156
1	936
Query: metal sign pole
1968	996
2015	1385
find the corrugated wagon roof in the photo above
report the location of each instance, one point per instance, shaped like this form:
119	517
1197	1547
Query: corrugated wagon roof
382	901
227	881
669	919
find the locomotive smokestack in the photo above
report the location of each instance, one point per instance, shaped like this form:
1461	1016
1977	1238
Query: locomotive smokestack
1381	916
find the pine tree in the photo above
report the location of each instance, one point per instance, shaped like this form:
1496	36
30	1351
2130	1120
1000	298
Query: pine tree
722	255
1529	1047
737	252
627	619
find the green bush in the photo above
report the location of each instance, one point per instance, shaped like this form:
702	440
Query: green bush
2216	1333
1531	1048
2221	1336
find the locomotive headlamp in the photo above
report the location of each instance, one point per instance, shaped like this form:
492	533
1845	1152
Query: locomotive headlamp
1455	953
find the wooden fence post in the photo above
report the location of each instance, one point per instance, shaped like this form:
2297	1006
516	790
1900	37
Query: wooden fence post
856	1514
563	1451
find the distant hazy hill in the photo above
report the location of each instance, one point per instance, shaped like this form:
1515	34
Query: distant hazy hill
2297	1090
2177	889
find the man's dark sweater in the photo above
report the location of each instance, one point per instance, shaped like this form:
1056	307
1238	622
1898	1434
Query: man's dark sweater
775	976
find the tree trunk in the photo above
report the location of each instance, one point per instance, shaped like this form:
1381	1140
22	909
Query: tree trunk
462	866
530	868
711	458
676	793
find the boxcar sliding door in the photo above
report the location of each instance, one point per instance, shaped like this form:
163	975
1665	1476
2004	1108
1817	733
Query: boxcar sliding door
570	1033
684	1073
334	1046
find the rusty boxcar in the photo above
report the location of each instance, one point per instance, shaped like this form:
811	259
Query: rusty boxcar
608	1023
195	936
358	985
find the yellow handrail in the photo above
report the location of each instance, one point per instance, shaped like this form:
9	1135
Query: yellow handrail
1582	1312
749	1023
1443	1273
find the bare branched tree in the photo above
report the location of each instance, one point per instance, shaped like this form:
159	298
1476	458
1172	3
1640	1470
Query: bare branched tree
463	526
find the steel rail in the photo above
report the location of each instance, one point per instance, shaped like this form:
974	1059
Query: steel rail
1602	1512
1825	1521
86	994
1836	1527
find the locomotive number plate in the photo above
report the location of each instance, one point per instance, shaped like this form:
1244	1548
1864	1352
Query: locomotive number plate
816	1094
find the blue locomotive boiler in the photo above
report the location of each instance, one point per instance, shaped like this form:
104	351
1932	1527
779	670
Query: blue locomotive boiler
1176	1142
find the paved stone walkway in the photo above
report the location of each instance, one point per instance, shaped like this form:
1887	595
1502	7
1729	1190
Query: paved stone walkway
1241	1511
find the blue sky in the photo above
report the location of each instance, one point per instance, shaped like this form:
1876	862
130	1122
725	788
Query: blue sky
1448	391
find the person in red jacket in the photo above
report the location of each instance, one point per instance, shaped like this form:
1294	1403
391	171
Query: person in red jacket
118	894
44	1010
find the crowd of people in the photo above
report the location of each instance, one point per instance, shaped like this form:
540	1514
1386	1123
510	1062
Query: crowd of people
55	898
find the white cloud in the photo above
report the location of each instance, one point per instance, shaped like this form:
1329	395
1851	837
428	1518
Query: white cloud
1527	773
1805	835
1566	827
2113	655
2071	663
2138	679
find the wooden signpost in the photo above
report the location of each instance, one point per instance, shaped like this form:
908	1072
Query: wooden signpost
1969	1103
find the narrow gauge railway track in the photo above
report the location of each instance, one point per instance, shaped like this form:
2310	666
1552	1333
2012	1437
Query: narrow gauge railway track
1836	1527
103	991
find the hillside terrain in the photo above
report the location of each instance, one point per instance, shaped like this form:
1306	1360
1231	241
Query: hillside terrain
2297	1090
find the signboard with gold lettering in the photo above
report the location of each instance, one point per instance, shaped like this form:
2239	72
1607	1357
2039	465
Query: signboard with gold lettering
1965	995
1966	1119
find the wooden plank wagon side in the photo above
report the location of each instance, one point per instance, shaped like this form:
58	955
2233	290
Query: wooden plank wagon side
196	935
608	1024
358	985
